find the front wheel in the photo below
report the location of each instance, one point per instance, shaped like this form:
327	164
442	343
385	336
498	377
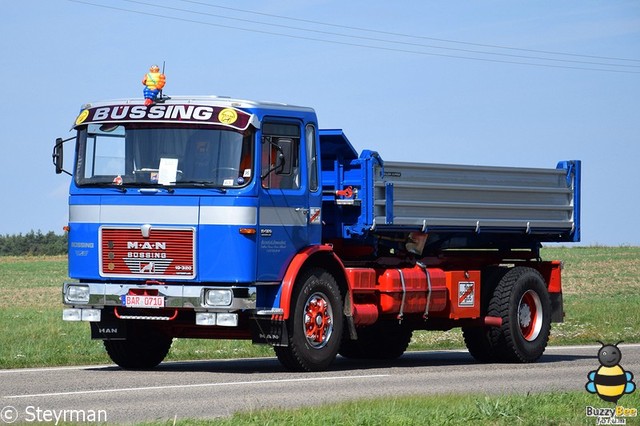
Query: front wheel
315	326
143	349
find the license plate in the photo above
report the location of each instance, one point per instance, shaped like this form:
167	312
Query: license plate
132	301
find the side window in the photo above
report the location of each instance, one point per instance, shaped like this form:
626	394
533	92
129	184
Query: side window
280	156
312	157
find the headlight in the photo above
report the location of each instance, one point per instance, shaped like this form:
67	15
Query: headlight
91	315
72	315
227	320
221	319
218	297
75	314
78	293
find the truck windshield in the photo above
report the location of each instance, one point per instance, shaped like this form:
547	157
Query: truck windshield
135	154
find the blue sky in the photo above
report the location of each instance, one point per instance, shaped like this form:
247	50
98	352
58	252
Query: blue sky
410	98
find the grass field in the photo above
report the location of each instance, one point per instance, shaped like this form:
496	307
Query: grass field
553	408
601	291
601	295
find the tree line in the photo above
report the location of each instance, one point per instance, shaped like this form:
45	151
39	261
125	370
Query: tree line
34	243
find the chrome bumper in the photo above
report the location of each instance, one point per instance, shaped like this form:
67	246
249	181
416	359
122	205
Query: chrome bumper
176	296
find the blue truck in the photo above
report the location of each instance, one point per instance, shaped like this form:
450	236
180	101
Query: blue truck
218	218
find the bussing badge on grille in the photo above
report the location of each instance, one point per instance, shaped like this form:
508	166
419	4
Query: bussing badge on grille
147	251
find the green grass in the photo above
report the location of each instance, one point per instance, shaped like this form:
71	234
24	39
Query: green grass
601	287
32	333
601	295
602	292
553	408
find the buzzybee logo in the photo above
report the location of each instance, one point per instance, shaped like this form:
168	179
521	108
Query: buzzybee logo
610	382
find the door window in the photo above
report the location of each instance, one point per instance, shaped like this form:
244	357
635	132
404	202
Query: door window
280	156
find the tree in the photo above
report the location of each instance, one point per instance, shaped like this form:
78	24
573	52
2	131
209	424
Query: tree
34	243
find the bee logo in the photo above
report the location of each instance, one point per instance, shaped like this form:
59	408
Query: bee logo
610	381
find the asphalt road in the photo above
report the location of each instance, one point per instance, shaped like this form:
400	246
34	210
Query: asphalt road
207	389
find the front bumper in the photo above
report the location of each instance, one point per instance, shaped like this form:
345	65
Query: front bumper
176	296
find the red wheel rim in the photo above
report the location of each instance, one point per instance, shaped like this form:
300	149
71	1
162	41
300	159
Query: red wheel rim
318	320
530	315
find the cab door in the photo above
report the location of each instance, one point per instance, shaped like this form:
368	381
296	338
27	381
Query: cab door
283	216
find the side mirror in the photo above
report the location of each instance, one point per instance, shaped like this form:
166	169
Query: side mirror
58	155
283	160
283	166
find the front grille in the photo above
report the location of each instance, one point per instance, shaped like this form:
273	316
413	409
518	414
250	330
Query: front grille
147	252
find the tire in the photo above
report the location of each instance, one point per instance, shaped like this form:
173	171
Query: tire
380	341
522	301
143	349
478	343
315	325
478	339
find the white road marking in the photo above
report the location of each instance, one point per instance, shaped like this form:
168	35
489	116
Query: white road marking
45	369
198	385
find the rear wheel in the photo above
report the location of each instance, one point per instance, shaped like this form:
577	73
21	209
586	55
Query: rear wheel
143	349
315	325
522	301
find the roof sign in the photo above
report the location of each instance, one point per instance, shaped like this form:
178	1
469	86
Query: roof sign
166	113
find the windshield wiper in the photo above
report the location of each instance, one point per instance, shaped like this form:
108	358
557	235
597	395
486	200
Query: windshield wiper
106	185
202	184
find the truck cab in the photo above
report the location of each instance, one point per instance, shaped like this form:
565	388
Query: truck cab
192	202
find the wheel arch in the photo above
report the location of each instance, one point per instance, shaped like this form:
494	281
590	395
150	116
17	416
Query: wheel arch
321	256
551	272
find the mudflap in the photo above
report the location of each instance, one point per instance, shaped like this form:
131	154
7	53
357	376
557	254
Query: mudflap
557	309
269	331
109	330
